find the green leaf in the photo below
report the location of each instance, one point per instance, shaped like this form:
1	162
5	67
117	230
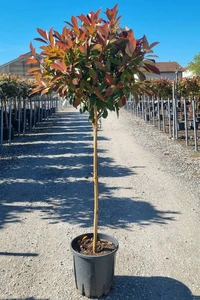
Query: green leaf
105	114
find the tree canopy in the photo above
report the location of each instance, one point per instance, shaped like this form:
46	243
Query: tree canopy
194	65
93	62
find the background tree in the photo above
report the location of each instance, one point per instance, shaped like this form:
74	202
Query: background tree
194	65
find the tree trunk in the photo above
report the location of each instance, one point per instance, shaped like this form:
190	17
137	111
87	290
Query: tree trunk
6	115
95	173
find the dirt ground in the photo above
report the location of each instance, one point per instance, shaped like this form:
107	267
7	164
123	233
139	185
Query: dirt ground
149	190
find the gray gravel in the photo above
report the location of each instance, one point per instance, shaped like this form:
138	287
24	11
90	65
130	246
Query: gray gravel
149	200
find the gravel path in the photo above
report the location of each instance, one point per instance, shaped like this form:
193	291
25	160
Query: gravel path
149	200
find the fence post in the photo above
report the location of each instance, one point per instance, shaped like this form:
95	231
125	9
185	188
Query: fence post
39	115
24	109
10	120
159	123
2	109
149	107
153	111
173	108
163	115
19	115
169	118
31	115
194	125
35	113
185	118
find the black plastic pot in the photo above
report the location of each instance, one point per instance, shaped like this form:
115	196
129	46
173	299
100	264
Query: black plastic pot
192	124
15	125
181	126
94	275
6	133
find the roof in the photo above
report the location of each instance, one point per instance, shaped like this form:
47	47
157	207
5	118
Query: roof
16	59
171	66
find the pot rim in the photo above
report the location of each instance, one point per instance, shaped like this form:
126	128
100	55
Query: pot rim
105	236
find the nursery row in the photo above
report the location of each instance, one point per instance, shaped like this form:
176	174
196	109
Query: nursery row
185	87
19	115
179	118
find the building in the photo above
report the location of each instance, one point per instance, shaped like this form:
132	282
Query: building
17	66
167	70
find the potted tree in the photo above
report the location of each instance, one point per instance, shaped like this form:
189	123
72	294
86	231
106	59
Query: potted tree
96	64
8	89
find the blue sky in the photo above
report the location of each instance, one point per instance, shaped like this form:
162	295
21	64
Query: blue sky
173	23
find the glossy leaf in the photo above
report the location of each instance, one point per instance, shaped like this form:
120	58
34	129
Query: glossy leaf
43	33
108	79
31	70
32	50
40	40
31	61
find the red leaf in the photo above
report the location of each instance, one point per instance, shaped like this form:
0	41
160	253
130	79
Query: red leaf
69	23
153	44
151	68
62	45
77	102
122	101
108	79
96	90
82	37
40	40
109	91
32	49
104	30
43	33
31	70
75	81
57	66
56	78
119	85
97	14
82	49
97	47
31	61
35	90
112	13
57	34
84	19
74	21
51	38
44	91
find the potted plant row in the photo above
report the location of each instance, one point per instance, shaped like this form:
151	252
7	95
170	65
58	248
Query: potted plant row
97	65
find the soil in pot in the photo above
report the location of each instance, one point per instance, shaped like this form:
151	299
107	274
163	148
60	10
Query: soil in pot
85	246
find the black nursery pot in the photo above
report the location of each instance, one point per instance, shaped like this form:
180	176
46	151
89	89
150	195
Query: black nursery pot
94	275
6	133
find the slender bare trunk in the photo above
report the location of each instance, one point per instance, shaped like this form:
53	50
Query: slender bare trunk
6	115
95	172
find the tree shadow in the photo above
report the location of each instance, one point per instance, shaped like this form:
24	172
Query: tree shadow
29	298
149	288
55	178
17	254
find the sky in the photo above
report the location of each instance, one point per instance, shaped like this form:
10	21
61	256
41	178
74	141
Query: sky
175	24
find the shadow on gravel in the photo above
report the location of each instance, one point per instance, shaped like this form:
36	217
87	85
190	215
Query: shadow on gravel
31	298
53	173
149	288
17	254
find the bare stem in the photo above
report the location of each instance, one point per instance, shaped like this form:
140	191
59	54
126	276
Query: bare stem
95	172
